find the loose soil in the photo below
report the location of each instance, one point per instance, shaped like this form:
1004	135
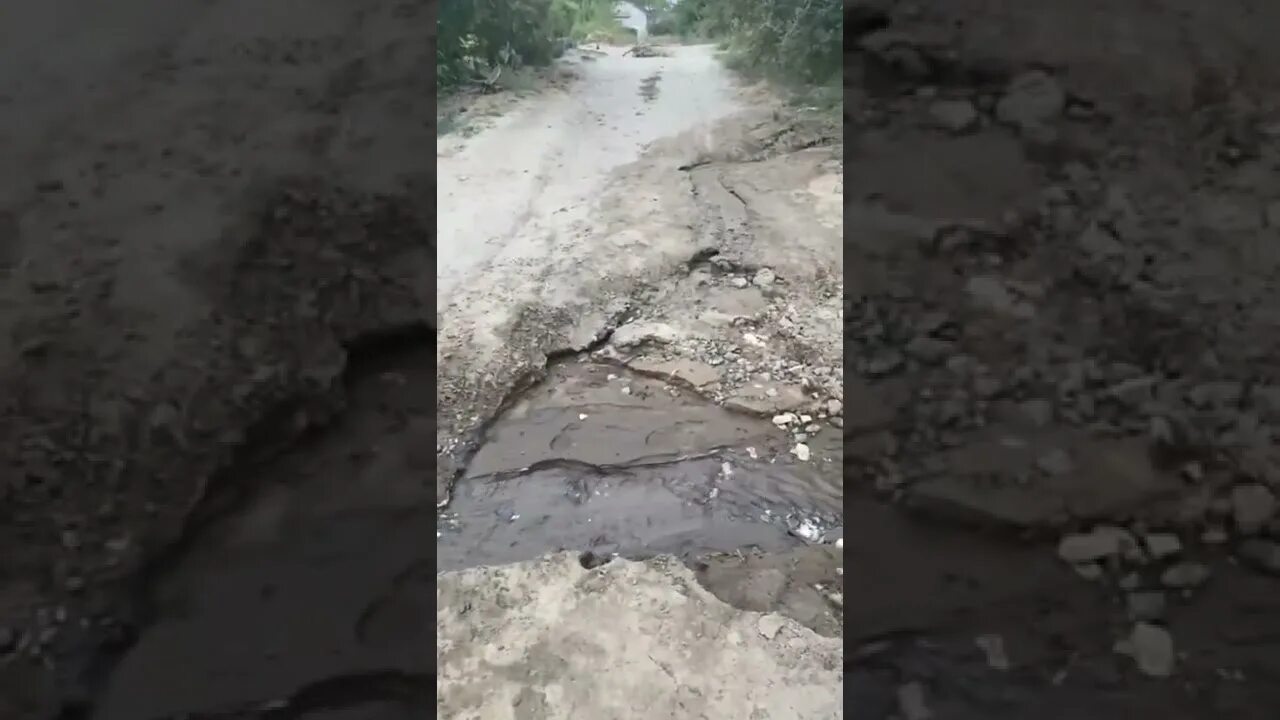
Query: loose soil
210	208
1061	227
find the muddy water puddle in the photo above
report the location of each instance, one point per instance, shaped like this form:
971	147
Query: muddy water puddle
311	591
603	459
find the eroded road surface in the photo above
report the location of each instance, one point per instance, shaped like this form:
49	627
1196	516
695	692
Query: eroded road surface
208	210
640	419
1062	221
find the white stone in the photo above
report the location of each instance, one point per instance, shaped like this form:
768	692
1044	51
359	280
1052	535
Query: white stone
1152	649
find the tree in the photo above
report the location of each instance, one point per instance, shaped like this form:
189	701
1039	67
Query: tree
505	32
796	39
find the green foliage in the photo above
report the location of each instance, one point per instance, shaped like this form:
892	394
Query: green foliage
797	40
579	20
476	34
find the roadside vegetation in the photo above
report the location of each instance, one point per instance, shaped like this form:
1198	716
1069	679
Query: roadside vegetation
480	40
796	44
490	45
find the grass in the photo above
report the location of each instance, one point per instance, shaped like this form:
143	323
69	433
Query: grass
451	120
457	123
828	97
824	98
519	81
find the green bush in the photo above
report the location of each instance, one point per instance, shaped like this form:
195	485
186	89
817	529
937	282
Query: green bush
798	40
473	34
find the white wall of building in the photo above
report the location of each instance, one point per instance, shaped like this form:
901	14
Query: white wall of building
633	17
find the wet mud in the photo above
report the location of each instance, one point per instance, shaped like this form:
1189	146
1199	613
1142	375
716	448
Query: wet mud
313	569
603	459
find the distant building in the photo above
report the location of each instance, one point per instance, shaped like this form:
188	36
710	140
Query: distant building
633	17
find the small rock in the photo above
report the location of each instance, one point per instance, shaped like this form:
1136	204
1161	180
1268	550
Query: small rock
638	333
993	647
807	529
1098	243
1251	507
801	451
770	625
955	116
992	294
1089	571
1152	649
834	407
1215	394
1038	412
1261	555
1101	543
738	282
930	350
764	277
758	401
885	364
1185	575
1163	545
784	419
911	702
1146	606
1031	100
1228	213
689	372
1055	463
987	387
1214	536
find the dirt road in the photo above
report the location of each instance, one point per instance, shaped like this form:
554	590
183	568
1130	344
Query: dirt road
516	192
639	355
1061	227
206	208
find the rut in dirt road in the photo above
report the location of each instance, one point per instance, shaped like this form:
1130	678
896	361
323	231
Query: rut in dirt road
303	576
